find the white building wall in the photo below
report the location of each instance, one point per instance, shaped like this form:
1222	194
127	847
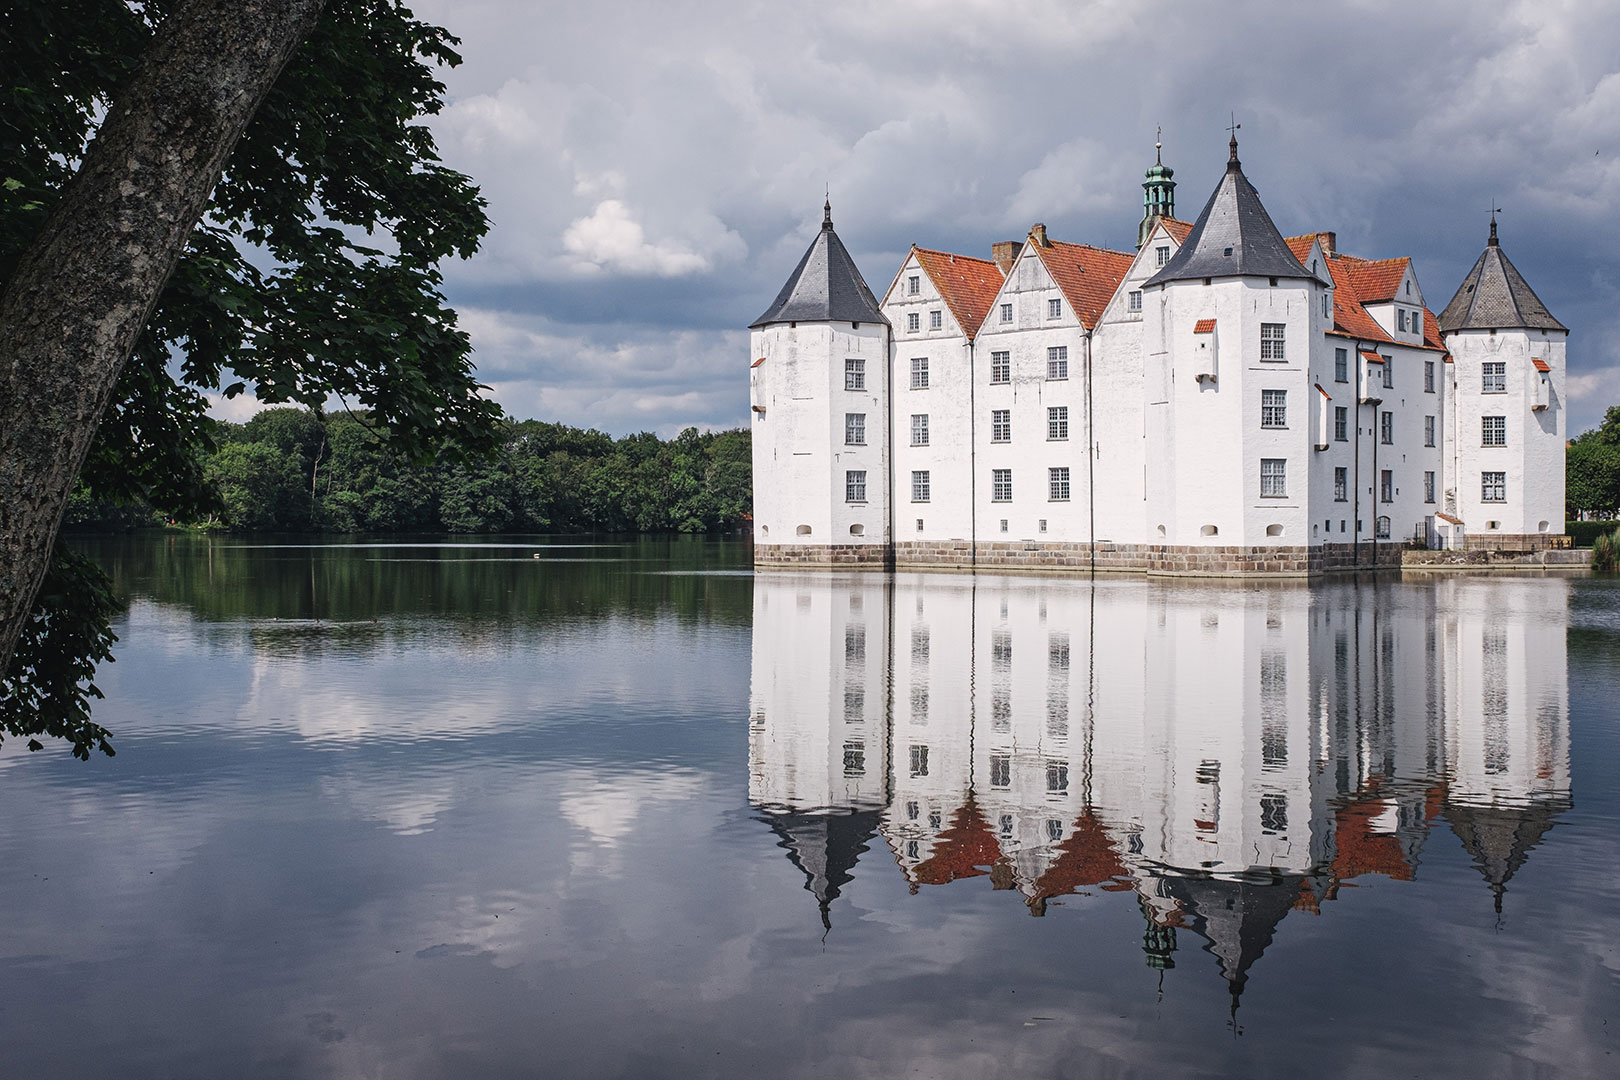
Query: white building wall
799	403
1533	458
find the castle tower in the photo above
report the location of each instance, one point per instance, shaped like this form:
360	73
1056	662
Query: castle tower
1228	325
1505	434
1158	195
820	403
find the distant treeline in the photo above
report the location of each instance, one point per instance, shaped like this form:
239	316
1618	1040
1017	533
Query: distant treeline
291	470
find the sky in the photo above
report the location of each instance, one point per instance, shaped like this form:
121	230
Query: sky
655	170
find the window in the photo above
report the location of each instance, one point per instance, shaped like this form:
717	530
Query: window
854	374
1386	485
913	285
1400	319
1327	301
1494	377
1494	431
1341	365
919	429
1001	425
1057	362
1271	341
1057	422
854	758
1428	487
1001	485
1389	372
919	524
1386	428
1341	484
1428	376
1001	776
1161	255
1381	527
1273	477
1493	487
855	429
1135	300
1341	423
936	320
1428	431
1000	367
919	372
1057	777
1273	408
1054	309
913	321
1006	313
855	486
920	488
1058	484
1274	813
919	761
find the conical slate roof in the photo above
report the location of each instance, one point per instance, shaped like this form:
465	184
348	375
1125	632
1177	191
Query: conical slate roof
824	287
825	846
1237	919
1495	296
1233	237
1500	838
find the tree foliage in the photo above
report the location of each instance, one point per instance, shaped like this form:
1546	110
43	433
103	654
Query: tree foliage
313	274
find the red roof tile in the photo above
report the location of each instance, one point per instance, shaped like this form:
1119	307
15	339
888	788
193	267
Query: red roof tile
1376	279
1372	357
1431	330
1541	365
966	849
1178	230
1349	316
758	362
1359	850
1087	276
1204	326
1087	857
968	285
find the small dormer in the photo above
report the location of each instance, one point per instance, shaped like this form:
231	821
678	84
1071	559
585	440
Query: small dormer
1541	391
1371	380
1204	349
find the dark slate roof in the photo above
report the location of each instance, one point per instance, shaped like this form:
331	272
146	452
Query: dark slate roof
1495	296
1233	221
1237	919
824	287
1500	838
824	845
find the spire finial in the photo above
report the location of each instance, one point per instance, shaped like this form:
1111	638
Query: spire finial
826	210
1232	159
1494	211
1158	145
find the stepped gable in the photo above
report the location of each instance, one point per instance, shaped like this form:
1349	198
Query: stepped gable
1233	237
968	285
1087	276
826	286
1495	296
825	846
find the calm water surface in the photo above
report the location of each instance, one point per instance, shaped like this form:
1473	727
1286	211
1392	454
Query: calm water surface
432	810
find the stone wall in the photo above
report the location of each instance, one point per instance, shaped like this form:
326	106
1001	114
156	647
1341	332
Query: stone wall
1515	541
1155	559
810	555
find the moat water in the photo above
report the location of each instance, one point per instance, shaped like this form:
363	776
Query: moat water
627	809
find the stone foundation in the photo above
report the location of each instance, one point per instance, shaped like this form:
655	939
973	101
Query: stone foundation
1150	559
1491	541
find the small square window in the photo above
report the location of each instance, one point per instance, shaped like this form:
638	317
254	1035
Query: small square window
1057	362
913	321
1135	300
936	320
1054	309
1042	526
919	524
1006	313
913	285
1161	255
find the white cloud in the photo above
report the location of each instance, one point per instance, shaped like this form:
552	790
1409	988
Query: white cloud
610	239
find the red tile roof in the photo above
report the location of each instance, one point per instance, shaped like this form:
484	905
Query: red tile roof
1431	330
758	362
1372	357
968	285
1087	276
1541	365
1204	326
1376	279
1178	230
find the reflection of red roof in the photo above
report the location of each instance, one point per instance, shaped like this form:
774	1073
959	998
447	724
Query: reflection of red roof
1541	365
966	849
968	285
1204	326
1087	857
1362	851
1087	276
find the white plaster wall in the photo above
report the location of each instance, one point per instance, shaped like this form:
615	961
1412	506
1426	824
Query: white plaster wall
1533	458
798	441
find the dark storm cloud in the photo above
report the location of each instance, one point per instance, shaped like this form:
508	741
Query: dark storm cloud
654	171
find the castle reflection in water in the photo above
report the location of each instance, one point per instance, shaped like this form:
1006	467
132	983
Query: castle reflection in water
1229	753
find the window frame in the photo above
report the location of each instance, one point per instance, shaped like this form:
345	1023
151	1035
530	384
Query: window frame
1057	423
1493	382
1341	483
854	429
1274	342
1006	313
936	320
855	486
854	377
919	429
1001	425
1493	426
1274	475
1341	365
1386	427
1057	363
1274	409
1054	308
913	321
1057	483
1001	489
1487	486
921	486
1341	423
1000	365
919	372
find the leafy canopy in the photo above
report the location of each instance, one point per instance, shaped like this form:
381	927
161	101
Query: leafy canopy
313	274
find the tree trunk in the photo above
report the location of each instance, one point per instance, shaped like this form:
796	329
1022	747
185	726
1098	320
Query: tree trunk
71	314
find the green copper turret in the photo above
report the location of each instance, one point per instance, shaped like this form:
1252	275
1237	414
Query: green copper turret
1158	195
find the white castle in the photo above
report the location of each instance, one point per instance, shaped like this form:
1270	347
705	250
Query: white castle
1223	400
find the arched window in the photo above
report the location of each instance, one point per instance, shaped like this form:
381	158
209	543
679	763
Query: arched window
1209	530
804	530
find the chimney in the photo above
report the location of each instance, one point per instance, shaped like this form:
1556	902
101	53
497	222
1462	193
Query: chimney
1004	252
1037	233
1328	241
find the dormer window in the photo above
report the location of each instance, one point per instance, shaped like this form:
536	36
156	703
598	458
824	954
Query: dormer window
913	285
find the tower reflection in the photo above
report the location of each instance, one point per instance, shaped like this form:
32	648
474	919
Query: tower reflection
1230	753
